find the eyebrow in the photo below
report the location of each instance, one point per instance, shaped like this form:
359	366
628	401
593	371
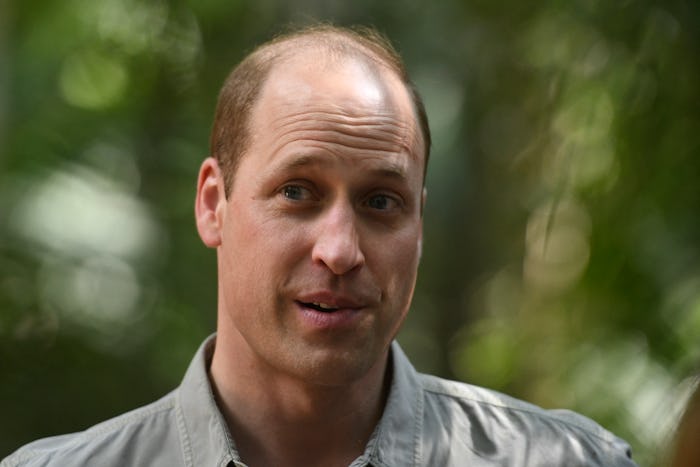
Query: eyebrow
385	169
301	162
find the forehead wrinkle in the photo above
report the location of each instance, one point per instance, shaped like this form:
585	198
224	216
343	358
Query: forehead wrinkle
307	117
340	144
381	132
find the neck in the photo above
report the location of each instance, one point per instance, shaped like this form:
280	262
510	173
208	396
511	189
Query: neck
279	419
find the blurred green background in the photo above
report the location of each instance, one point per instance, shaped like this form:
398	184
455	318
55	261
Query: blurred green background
562	255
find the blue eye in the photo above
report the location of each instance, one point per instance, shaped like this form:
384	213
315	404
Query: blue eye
295	192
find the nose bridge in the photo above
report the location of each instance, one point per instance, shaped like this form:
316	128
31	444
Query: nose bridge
337	243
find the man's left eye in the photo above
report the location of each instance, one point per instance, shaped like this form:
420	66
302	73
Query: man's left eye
295	192
381	202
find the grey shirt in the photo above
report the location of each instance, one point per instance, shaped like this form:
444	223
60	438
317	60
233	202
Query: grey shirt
427	421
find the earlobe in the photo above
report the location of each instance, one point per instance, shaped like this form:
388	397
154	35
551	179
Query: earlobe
209	203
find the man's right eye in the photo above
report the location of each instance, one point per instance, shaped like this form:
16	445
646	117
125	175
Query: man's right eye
296	193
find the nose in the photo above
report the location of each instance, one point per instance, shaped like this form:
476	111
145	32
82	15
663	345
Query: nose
337	243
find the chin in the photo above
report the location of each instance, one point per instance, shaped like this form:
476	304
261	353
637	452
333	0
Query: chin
333	367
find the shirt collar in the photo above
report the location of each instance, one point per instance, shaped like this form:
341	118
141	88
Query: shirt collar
207	441
205	437
396	440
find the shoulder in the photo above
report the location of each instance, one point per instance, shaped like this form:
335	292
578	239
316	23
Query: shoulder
117	441
488	421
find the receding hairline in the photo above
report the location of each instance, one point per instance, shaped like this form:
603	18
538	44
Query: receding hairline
333	45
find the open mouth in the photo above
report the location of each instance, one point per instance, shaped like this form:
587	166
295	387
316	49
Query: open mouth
319	306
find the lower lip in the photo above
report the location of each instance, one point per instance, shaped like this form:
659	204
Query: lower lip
340	318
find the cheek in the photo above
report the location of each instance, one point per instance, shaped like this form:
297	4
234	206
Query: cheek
263	246
397	260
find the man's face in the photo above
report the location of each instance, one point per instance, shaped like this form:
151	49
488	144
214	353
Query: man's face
320	235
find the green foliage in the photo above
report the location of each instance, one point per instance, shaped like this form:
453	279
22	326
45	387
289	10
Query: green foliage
561	260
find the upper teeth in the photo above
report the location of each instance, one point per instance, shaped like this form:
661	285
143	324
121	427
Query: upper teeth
323	305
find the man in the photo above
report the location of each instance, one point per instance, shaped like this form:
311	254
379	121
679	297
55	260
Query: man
313	199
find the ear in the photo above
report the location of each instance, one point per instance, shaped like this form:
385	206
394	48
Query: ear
210	202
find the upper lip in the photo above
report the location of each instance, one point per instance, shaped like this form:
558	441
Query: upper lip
332	299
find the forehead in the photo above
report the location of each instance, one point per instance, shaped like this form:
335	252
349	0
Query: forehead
340	89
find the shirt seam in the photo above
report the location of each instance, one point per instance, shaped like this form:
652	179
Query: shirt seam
418	431
548	416
185	445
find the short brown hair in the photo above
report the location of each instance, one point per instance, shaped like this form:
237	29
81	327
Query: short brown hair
230	135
